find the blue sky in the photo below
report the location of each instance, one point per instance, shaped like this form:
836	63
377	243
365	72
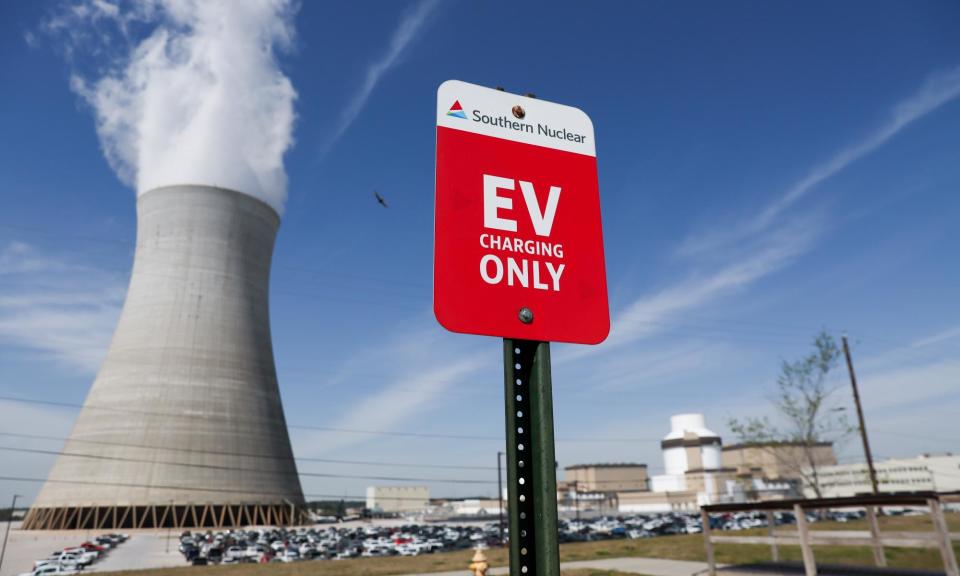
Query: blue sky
766	170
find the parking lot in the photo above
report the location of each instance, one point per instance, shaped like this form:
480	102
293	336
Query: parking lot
330	542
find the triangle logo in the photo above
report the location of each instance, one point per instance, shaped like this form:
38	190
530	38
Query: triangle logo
457	111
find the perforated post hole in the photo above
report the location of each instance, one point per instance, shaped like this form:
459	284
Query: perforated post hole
523	482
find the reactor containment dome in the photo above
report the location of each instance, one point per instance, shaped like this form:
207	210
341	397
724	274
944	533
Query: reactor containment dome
183	426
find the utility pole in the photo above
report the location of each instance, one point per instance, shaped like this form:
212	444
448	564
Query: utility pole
500	494
170	528
13	506
863	426
576	498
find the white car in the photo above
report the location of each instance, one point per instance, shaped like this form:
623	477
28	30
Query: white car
81	551
51	570
85	557
307	550
235	553
64	560
408	550
289	555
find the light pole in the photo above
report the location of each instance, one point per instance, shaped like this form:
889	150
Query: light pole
500	494
13	506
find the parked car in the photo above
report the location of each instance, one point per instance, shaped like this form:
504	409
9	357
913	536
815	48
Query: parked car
51	570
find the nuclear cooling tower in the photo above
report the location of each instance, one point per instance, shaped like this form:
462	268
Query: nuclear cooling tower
183	426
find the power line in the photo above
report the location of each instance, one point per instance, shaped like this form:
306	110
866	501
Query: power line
246	454
698	322
355	431
322	428
231	453
755	328
242	469
255	470
323	274
196	489
220	416
261	471
915	436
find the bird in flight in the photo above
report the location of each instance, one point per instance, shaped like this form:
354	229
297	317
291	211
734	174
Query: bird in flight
380	199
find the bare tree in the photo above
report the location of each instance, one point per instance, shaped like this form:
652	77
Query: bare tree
808	422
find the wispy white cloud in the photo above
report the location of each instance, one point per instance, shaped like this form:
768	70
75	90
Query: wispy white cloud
650	313
768	240
938	338
413	383
406	32
909	397
20	418
905	385
939	89
64	310
19	258
30	39
655	366
643	315
401	401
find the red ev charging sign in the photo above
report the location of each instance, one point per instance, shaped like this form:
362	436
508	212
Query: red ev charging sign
517	219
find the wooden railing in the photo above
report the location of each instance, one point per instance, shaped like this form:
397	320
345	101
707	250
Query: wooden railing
940	538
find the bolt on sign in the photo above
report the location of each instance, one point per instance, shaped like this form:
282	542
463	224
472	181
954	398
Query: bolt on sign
518	246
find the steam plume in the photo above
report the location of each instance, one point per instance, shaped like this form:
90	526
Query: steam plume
197	98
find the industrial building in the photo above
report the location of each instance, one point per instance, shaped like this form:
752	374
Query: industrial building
693	475
397	499
475	507
693	471
776	461
183	425
607	477
698	470
938	473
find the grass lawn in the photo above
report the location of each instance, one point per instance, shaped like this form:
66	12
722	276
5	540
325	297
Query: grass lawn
687	547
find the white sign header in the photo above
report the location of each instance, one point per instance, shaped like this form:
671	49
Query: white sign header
472	108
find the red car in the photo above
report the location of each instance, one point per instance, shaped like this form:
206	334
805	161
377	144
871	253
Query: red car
93	547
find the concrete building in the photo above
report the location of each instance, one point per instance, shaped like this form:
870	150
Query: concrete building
688	447
775	470
939	473
183	426
693	471
398	499
476	507
776	461
606	477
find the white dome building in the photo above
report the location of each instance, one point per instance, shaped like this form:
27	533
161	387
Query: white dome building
689	447
693	472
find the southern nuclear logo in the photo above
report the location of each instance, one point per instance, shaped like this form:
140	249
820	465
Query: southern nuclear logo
457	111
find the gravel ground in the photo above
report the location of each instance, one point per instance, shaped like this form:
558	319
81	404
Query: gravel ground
142	550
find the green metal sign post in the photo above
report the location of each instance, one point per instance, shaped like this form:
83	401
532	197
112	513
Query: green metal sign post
531	459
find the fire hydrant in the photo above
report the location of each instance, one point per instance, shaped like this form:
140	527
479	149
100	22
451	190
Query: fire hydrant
478	564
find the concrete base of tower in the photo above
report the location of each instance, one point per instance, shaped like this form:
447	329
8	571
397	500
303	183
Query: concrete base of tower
166	516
